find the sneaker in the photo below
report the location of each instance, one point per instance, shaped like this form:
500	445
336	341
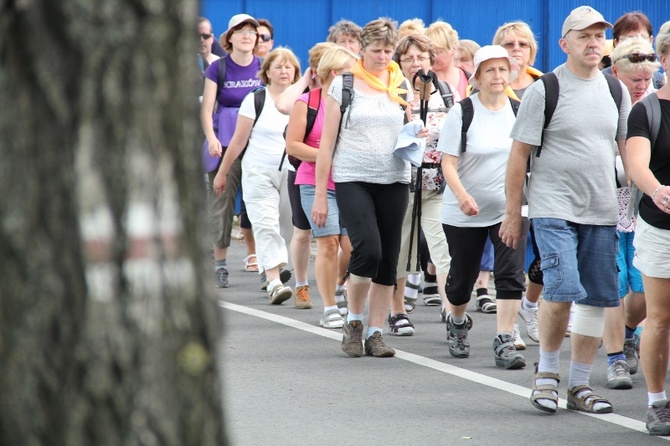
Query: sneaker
284	276
516	338
658	418
279	294
341	299
352	338
486	304
431	297
221	278
505	352
632	358
457	335
332	319
374	346
400	325
530	318
302	298
618	376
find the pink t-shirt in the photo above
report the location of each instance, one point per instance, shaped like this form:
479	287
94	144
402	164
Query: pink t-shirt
306	173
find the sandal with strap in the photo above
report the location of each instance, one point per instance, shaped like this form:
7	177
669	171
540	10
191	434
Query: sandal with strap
249	266
587	400
544	391
410	304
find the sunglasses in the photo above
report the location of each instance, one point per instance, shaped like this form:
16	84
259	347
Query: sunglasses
205	36
265	37
640	57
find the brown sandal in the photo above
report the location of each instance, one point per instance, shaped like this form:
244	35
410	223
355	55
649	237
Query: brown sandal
587	400
544	391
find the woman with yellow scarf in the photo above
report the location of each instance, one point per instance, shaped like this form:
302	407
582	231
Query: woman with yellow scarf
371	183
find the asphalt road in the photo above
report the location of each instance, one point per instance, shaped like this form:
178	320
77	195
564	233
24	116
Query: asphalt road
286	382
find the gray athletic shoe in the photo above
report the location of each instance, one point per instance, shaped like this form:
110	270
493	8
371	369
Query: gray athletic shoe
630	350
221	277
505	352
618	376
658	418
352	338
457	335
279	294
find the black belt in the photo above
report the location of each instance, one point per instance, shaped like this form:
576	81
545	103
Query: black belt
430	165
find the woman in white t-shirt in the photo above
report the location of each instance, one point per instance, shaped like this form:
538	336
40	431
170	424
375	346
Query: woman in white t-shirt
474	204
265	187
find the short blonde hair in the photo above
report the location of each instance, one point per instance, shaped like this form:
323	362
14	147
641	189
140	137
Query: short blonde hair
317	51
443	35
663	39
334	59
630	46
521	29
381	30
283	55
411	26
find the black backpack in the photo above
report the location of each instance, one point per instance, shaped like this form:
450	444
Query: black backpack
469	114
313	106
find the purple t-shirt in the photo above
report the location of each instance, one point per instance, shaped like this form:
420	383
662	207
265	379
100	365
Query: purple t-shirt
238	83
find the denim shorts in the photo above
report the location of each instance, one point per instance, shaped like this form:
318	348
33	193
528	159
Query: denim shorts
332	226
630	278
579	262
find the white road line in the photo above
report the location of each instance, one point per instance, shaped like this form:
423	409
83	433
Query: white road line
436	365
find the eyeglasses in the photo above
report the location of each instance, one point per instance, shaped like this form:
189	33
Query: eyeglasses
265	37
639	57
248	32
205	36
510	45
417	59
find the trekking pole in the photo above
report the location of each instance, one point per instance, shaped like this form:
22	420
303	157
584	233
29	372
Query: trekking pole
425	88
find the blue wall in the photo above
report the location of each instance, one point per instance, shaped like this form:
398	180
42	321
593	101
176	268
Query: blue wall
299	24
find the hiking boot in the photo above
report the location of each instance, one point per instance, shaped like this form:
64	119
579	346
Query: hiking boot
221	277
279	294
505	352
302	298
457	335
352	338
530	318
374	346
400	325
332	319
632	358
658	418
618	376
516	338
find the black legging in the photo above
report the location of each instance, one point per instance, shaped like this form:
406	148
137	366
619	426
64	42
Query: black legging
372	214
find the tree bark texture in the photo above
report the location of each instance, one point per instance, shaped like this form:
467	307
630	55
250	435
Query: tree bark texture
108	329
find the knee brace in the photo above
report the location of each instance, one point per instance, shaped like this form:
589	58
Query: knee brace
588	321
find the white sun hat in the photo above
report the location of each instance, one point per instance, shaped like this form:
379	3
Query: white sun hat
493	52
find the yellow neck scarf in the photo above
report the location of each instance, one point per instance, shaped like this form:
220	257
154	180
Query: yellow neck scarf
395	79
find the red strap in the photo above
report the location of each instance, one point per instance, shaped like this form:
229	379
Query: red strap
314	99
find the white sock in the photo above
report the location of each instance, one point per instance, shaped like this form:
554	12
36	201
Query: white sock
373	330
549	362
653	397
328	308
273	284
414	279
528	305
301	283
579	376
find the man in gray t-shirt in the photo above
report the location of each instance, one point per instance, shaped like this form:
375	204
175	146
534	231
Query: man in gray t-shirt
572	206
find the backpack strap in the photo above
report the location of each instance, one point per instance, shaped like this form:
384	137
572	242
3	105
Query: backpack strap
616	91
347	94
550	82
653	108
259	102
313	105
445	92
221	75
468	113
515	105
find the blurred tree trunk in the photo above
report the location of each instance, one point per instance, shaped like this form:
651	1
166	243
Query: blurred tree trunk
108	333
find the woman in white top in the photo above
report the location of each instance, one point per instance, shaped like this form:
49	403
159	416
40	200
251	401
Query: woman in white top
474	204
371	183
265	187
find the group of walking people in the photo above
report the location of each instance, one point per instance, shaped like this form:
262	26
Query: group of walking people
401	160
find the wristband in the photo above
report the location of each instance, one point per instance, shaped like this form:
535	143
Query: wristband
654	194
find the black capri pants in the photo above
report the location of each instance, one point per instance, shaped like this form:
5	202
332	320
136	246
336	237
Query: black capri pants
466	246
373	215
